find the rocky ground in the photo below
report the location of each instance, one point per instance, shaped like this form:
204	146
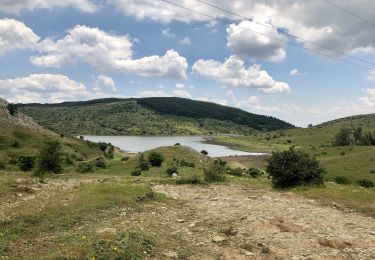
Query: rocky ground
229	221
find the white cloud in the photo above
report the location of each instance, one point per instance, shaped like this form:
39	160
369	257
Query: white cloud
104	83
311	20
43	88
371	76
186	41
16	35
231	96
181	93
16	6
369	100
294	72
263	46
180	86
153	93
233	73
219	101
167	33
107	52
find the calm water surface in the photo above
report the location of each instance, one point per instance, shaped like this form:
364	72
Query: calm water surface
135	144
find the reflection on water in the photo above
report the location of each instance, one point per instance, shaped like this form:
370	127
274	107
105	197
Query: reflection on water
135	144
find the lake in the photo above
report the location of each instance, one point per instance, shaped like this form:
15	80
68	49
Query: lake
135	144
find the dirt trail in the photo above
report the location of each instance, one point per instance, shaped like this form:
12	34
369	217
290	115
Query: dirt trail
263	224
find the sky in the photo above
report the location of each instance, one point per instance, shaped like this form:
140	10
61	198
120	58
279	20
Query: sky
305	62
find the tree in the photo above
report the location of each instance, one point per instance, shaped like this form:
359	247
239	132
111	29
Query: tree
155	159
143	163
49	158
26	162
343	138
215	172
294	168
12	108
204	152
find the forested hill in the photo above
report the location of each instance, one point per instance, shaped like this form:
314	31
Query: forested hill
148	116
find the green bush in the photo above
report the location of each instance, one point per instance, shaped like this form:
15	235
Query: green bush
170	170
85	167
49	158
343	137
254	172
236	171
366	183
2	166
143	164
184	163
215	173
26	162
15	144
109	152
124	159
190	180
136	172
155	159
12	108
100	163
342	180
204	152
294	168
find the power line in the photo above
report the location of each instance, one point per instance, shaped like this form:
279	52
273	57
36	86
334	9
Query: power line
349	12
246	28
286	33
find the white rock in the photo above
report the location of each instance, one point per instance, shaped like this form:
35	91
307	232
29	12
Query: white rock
218	239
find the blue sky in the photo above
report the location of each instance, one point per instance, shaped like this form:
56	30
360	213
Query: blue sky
82	49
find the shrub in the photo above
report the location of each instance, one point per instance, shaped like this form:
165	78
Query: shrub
366	183
2	166
342	180
85	167
342	153
220	162
184	163
102	146
143	164
155	159
136	172
49	158
171	170
26	162
177	144
124	159
15	144
190	180
100	163
204	152
343	138
215	173
372	171
294	168
12	108
109	152
236	171
254	172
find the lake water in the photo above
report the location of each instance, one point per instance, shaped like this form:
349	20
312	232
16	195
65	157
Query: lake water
135	144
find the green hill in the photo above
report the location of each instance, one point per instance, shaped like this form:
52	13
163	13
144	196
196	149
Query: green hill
19	134
148	116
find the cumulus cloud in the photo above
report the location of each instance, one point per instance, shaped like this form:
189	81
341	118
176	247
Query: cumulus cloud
371	76
262	46
43	88
167	33
16	6
369	99
16	35
104	83
311	20
180	86
186	41
294	72
181	93
106	52
153	93
234	73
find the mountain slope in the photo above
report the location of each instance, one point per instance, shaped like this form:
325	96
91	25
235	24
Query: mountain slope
148	116
19	134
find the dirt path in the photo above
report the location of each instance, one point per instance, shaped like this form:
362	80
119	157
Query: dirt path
263	224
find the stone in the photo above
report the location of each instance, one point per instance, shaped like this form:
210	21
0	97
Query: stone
218	239
111	231
171	254
180	220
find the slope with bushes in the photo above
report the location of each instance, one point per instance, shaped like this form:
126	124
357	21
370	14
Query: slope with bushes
148	116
